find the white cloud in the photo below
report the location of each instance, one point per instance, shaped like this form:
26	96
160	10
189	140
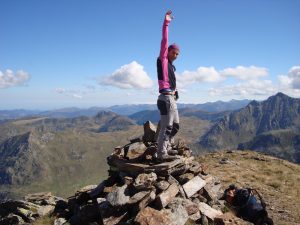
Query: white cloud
77	96
246	89
129	76
289	84
60	90
70	93
292	79
285	81
202	74
294	74
10	79
211	75
245	73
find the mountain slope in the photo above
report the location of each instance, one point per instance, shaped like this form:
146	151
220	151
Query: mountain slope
37	153
278	112
19	163
277	180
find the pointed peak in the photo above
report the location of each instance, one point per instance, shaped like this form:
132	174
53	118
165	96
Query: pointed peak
280	94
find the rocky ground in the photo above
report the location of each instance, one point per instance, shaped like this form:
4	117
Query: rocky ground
185	191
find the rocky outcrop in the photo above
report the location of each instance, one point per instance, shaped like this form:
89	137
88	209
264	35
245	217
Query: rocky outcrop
13	212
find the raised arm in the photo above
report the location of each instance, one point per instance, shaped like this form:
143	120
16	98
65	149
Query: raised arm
164	41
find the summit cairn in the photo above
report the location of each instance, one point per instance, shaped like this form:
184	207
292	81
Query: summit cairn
141	191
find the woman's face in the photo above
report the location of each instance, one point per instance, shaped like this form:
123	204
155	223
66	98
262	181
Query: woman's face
230	195
172	54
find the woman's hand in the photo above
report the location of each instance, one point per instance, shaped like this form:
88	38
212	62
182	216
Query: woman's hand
169	16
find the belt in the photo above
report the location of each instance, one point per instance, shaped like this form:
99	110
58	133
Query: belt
168	93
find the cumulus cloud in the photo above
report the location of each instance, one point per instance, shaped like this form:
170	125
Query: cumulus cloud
246	89
211	75
202	74
285	81
294	75
245	73
10	79
129	76
289	84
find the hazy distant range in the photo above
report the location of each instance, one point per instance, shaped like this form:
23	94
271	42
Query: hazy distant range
126	109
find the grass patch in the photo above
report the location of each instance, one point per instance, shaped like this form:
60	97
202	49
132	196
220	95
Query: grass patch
274	184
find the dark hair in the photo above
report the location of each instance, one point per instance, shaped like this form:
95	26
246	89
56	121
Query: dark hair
173	46
231	187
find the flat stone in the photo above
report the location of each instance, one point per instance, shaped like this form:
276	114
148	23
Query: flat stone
138	197
166	196
194	185
146	200
209	211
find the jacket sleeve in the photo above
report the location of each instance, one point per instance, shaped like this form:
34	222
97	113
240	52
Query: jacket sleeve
164	56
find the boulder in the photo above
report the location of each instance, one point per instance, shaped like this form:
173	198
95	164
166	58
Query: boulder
145	181
149	132
150	216
119	196
162	185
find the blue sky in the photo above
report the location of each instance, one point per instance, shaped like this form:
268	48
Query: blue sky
64	53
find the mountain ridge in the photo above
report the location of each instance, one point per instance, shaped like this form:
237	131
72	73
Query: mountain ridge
278	112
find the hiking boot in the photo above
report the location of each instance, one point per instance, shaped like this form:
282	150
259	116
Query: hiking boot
172	152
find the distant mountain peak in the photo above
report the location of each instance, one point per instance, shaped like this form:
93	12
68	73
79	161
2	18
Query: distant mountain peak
105	113
280	94
276	114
